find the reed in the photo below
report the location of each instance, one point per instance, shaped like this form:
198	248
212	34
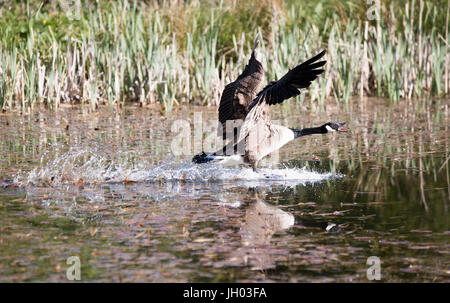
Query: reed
112	53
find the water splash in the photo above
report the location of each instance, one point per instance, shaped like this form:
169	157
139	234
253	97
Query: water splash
88	165
91	167
216	173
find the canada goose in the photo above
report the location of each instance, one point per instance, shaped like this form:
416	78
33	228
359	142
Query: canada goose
258	137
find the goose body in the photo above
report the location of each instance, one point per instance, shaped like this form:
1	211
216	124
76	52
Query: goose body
246	99
264	138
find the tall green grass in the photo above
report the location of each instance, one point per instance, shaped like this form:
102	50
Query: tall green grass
123	51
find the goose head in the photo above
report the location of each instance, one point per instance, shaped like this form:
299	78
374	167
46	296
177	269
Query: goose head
334	127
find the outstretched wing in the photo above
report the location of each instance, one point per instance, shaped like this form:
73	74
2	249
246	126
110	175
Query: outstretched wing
276	92
290	84
238	95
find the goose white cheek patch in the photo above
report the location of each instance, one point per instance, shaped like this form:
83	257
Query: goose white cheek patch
329	128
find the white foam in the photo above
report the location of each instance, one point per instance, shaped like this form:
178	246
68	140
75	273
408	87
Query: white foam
74	165
218	173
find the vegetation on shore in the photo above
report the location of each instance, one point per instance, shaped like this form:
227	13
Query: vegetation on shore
185	52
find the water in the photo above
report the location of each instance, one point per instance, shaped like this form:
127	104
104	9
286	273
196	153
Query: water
106	188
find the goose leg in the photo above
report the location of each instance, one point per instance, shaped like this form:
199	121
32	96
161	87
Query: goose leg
254	165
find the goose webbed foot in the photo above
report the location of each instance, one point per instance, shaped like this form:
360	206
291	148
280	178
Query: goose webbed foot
202	158
260	172
254	165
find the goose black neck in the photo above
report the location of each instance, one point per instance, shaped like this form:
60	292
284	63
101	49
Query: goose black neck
309	131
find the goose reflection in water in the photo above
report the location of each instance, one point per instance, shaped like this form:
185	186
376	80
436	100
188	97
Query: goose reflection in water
261	221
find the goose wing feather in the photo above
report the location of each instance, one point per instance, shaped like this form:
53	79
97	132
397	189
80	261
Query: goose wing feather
290	84
276	92
238	95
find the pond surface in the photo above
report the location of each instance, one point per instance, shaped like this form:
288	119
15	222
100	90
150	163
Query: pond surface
105	187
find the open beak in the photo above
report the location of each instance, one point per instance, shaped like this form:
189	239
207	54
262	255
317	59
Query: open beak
342	128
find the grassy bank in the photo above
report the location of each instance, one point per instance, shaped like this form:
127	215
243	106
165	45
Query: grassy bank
102	52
